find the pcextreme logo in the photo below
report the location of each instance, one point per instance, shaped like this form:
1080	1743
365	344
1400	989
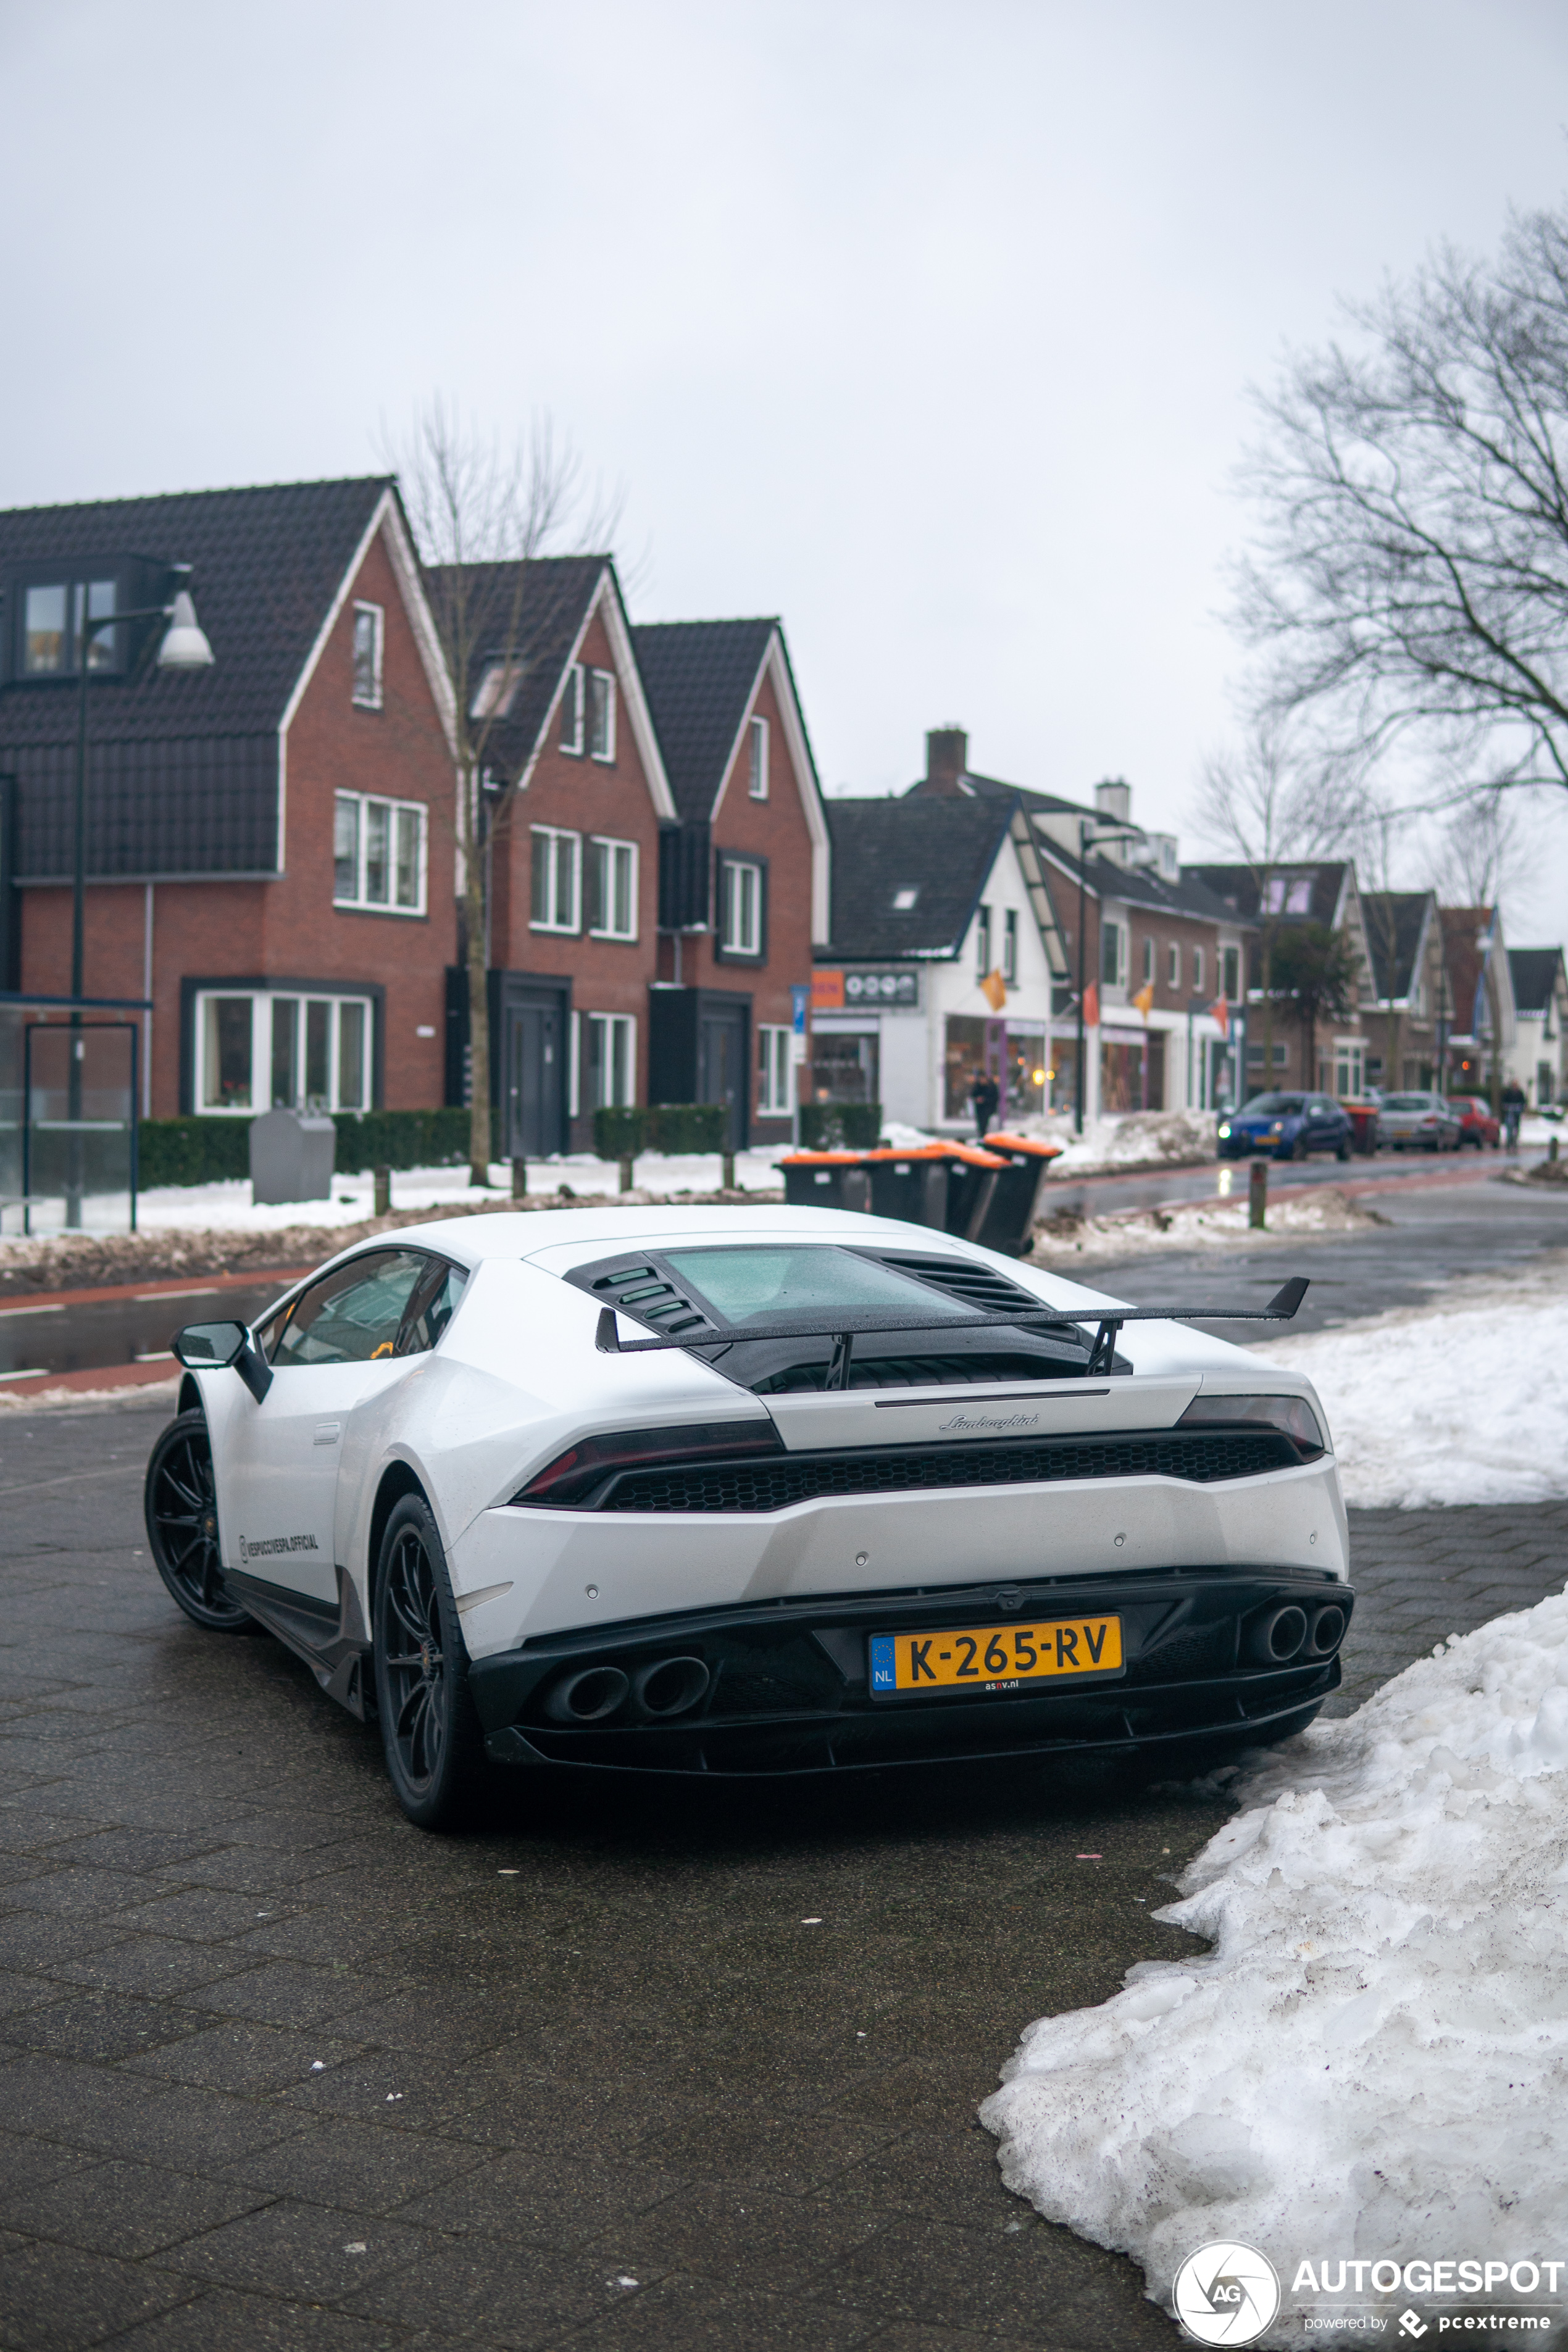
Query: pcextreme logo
1226	2294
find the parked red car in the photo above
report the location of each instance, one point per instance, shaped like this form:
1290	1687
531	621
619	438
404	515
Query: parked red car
1476	1123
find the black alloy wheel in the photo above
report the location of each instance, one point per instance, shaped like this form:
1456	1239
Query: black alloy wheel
180	1506
429	1730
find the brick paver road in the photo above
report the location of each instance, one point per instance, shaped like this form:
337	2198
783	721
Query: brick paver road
276	2070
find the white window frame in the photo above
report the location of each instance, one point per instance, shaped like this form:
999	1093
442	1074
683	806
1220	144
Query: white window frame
261	1001
775	1071
1110	929
371	701
614	1029
1197	971
1148	960
1231	994
618	849
734	940
574	707
397	811
1174	965
605	757
1010	946
554	921
982	942
757	753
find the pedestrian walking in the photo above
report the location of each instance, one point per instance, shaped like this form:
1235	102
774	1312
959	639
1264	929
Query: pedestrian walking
985	1095
1513	1111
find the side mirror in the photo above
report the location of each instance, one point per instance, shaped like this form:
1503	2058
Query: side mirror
210	1347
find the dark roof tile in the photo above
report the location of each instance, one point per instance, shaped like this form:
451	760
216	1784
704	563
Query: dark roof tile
942	848
699	676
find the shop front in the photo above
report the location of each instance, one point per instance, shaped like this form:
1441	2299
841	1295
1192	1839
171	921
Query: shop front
1132	1070
1013	1053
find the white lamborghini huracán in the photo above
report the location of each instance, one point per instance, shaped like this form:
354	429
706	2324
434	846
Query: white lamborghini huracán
751	1491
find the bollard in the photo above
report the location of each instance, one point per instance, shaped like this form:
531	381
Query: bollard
628	1167
381	1179
519	1179
727	1173
1551	1147
1257	1196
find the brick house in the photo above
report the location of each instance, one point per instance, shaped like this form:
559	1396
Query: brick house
575	861
745	884
268	841
1323	892
1476	1009
1403	1011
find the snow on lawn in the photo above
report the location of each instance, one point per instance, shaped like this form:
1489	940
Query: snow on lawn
227	1208
1462	1402
1372	2061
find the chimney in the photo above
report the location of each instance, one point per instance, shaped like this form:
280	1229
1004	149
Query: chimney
947	757
1113	799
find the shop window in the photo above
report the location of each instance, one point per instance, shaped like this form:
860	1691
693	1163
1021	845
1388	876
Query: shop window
843	1066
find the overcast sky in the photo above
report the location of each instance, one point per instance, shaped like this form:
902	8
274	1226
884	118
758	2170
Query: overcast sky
926	327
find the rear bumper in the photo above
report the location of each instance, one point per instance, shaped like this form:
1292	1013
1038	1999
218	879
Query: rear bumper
788	1688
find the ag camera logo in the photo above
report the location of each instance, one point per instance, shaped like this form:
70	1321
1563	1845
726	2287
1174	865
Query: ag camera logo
1226	2294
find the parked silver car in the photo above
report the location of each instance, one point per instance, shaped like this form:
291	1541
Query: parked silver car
1420	1123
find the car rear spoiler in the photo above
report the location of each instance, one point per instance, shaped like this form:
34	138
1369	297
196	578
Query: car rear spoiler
1279	1309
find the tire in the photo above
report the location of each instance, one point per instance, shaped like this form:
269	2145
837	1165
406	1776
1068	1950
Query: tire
431	1732
1341	1150
1286	1151
180	1509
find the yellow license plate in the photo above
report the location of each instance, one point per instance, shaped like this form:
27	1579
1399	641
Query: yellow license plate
995	1657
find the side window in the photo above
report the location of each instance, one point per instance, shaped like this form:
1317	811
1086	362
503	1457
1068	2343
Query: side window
434	1308
352	1315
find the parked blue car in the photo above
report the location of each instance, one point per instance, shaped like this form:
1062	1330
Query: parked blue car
1286	1127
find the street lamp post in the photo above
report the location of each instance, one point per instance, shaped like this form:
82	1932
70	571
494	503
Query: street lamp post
1088	834
185	646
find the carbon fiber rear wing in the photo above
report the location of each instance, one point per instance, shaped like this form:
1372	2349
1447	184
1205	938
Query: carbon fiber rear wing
843	1332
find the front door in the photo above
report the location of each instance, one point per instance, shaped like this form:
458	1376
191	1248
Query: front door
723	1066
278	1466
535	1069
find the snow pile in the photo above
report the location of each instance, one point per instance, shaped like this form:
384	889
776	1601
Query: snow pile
1145	1138
1463	1402
1300	1214
1374	2058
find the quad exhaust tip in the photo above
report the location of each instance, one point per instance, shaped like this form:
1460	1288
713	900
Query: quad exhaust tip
668	1687
1280	1634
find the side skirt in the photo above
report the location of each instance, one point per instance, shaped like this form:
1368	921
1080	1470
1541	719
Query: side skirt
333	1643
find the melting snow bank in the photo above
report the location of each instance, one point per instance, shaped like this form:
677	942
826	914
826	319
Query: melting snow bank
1373	2062
1452	1403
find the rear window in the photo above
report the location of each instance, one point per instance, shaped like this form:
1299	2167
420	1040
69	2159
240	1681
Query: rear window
749	1286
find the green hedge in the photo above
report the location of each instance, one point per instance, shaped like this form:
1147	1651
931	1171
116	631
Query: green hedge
840	1127
210	1150
620	1134
686	1126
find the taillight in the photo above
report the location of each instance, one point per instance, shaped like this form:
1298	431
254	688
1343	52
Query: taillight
574	1474
1292	1416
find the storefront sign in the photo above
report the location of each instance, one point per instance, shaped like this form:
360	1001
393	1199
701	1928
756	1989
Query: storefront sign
827	991
870	988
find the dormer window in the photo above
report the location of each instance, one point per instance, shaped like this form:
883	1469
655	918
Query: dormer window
1288	894
369	633
53	614
496	689
905	900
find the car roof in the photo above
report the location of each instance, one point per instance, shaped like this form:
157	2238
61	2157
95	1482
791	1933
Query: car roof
561	1236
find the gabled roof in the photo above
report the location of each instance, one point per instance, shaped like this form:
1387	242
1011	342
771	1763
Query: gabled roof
943	848
1393	921
1321	881
1467	935
969	786
1534	972
1140	885
182	766
539	607
699	678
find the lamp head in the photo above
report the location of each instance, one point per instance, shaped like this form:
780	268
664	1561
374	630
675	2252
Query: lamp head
184	645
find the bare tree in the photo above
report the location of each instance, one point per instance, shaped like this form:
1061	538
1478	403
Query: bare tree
1409	578
1268	803
479	508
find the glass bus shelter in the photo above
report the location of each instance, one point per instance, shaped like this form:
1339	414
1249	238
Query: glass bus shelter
69	1081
